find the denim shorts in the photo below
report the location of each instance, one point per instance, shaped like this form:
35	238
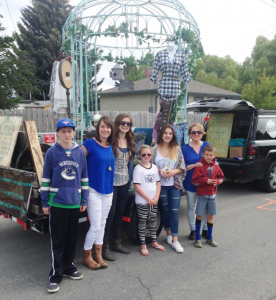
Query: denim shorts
208	202
181	132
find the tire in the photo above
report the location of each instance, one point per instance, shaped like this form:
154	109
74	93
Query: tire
268	183
132	227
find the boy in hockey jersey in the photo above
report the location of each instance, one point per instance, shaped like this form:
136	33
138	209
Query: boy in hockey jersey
64	193
206	179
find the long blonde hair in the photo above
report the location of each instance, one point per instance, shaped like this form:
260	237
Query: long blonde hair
173	143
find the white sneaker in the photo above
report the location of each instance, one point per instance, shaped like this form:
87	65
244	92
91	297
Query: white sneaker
178	248
169	239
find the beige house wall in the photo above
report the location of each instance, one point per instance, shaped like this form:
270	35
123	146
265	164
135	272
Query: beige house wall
132	102
135	102
129	102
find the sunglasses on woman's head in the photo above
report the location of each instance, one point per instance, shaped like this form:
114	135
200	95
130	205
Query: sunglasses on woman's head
125	123
196	132
146	154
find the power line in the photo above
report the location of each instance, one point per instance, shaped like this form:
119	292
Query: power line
10	15
250	48
268	4
247	38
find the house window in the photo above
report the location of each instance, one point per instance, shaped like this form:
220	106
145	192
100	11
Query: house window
199	98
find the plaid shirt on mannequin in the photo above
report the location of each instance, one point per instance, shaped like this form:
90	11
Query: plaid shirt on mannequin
169	85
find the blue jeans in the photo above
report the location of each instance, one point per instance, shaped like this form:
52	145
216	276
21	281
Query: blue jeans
191	206
181	132
170	202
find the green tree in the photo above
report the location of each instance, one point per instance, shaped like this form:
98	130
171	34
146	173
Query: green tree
229	83
136	73
201	76
147	60
260	48
261	66
214	64
245	72
135	69
40	36
15	73
261	93
217	71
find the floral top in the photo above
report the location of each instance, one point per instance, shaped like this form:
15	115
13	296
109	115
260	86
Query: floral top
121	173
180	164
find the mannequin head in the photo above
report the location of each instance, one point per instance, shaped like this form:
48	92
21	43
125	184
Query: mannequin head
171	46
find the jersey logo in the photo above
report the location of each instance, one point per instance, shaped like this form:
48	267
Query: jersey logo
68	174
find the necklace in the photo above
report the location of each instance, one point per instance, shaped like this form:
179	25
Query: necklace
109	168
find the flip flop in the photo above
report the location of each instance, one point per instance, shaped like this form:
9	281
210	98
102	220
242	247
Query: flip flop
145	252
159	247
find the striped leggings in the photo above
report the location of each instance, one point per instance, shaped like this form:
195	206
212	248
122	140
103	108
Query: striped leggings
147	214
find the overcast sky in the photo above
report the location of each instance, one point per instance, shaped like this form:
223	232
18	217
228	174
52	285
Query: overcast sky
227	27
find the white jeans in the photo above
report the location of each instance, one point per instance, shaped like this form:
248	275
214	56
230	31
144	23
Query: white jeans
191	206
97	209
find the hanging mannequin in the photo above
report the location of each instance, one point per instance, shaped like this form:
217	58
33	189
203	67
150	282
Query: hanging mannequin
171	63
171	51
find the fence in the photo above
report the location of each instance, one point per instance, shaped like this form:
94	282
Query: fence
45	121
43	118
146	119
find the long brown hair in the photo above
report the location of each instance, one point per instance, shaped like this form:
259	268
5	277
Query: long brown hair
173	143
108	122
129	136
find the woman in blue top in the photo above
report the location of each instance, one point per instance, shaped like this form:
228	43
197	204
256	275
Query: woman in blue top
192	153
100	162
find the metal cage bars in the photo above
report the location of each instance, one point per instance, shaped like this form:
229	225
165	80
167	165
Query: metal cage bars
88	36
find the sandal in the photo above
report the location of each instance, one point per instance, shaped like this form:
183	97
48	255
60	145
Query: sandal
159	247
145	252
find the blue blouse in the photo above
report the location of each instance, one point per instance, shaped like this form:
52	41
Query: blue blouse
100	163
191	157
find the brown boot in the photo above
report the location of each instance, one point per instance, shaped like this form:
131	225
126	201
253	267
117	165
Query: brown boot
88	260
98	256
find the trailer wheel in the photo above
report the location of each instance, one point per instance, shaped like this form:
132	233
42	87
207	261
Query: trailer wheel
132	227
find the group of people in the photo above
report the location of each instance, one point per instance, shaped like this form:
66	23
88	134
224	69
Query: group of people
97	177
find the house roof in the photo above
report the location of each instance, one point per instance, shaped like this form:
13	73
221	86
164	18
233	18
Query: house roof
117	66
194	88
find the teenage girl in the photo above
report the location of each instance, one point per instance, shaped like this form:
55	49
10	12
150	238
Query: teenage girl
124	152
169	160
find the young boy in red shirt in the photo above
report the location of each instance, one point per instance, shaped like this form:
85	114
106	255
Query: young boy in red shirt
206	179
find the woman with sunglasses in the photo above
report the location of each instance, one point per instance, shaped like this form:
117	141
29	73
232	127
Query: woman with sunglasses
168	158
193	153
124	152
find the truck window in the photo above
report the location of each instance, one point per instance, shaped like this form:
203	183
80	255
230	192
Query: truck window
241	127
266	129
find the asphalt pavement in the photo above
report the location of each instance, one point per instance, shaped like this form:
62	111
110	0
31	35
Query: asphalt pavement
242	267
